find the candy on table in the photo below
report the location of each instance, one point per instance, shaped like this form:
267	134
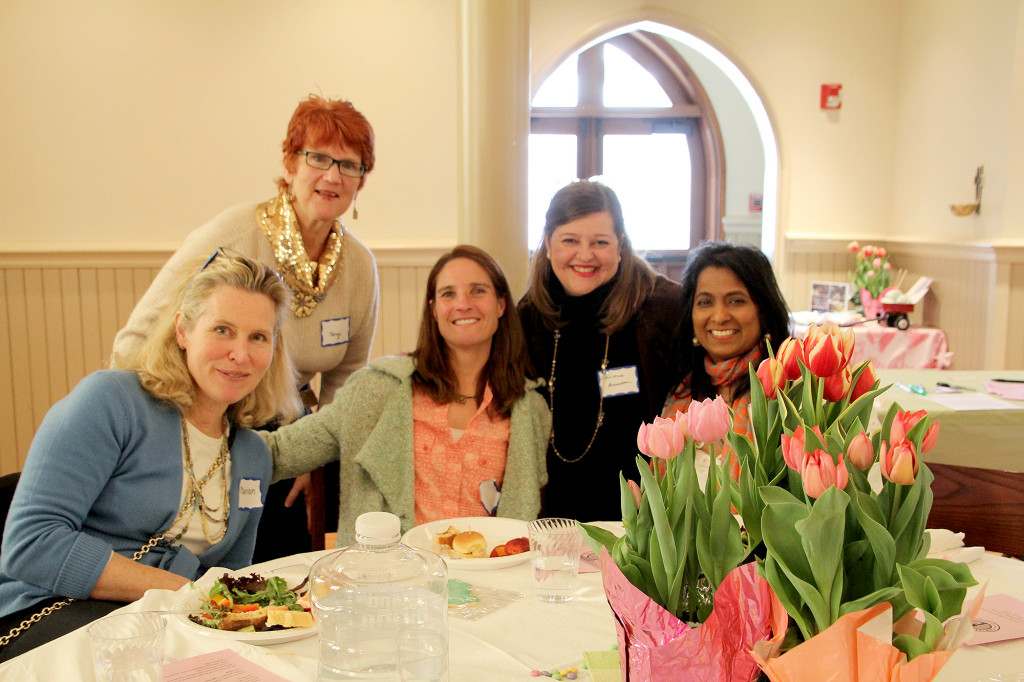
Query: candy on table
570	673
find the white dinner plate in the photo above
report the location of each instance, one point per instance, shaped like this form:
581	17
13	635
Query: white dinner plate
496	530
192	599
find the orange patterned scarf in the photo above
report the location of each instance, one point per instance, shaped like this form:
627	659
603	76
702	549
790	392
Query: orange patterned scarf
722	374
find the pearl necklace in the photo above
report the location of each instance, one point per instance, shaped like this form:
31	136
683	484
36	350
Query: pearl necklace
600	405
194	499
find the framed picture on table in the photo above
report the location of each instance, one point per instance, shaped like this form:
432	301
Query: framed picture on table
830	297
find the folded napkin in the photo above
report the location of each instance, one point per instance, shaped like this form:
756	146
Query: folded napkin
945	544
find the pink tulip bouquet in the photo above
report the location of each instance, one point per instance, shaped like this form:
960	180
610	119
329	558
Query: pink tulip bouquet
874	272
686	607
833	546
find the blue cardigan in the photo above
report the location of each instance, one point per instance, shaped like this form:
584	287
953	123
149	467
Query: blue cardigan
104	473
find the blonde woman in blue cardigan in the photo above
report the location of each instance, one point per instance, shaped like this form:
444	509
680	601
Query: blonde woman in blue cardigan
454	429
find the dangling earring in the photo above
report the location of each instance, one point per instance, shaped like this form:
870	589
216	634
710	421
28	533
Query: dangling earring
696	343
355	209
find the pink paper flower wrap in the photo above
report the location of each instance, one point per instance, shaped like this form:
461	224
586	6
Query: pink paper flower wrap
656	646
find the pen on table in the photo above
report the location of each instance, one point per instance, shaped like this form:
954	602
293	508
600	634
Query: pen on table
916	388
1010	381
959	388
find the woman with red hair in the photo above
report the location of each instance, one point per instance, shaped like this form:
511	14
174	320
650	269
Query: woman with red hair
332	276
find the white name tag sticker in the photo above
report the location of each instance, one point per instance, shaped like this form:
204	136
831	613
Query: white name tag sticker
619	381
249	496
334	332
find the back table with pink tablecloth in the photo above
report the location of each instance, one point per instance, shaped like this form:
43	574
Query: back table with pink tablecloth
888	347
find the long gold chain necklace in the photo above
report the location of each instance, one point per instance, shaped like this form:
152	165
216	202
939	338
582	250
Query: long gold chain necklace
194	499
600	405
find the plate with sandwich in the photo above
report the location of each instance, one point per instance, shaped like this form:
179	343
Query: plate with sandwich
243	606
474	543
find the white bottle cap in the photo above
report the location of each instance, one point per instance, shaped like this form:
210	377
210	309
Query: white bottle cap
378	528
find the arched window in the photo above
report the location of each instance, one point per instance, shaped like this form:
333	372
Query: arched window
630	110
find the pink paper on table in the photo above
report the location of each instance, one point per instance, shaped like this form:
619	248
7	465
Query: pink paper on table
224	666
1001	618
1005	389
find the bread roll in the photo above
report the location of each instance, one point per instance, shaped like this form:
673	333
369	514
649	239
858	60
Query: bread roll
469	544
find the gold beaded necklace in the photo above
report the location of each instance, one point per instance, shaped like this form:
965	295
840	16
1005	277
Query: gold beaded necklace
194	499
600	405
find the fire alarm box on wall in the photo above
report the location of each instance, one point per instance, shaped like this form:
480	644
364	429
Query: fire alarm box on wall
831	96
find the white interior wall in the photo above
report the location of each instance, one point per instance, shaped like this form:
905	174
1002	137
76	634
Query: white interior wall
955	110
127	124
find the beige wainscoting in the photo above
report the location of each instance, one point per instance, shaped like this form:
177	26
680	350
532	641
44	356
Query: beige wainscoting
976	297
59	313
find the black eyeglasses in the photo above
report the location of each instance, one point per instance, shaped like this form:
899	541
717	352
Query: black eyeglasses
352	169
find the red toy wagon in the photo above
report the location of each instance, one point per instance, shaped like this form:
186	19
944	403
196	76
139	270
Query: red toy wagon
895	315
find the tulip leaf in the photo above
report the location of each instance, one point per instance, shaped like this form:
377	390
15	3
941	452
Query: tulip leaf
911	646
658	568
868	600
822	534
791	600
627	504
777	495
858	478
598	537
883	547
666	550
783	541
919	590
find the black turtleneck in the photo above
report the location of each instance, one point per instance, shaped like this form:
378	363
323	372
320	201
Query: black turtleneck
587	489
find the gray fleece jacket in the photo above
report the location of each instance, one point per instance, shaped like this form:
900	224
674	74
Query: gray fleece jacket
369	428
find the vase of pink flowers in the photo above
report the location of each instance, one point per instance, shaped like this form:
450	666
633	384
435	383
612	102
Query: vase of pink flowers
839	553
871	276
688	601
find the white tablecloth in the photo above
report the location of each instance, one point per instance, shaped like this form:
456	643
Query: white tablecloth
504	645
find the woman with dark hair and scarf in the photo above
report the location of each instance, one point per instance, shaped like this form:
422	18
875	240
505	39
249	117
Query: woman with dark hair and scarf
732	307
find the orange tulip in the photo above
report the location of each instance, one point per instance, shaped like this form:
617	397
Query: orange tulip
865	383
772	375
899	463
820	473
793	448
860	452
837	385
790	354
904	421
827	348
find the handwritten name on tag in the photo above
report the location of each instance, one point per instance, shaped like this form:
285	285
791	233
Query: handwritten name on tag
249	496
334	332
619	381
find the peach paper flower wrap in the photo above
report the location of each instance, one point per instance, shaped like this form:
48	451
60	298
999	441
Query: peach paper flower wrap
656	646
856	648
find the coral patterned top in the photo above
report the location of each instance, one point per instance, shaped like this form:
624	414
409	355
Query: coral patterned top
448	472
